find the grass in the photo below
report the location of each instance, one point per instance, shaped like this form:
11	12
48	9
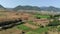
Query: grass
1	14
42	16
58	28
40	30
31	32
36	31
23	27
31	22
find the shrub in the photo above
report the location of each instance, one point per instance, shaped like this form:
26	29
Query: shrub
46	32
54	23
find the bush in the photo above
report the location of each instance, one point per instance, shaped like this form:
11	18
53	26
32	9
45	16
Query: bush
54	23
41	26
46	32
42	16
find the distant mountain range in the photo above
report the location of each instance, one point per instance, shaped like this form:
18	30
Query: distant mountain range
50	8
27	8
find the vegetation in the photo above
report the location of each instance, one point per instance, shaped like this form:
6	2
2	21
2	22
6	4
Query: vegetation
31	32
54	23
42	16
50	8
27	8
22	27
36	31
10	17
40	30
31	22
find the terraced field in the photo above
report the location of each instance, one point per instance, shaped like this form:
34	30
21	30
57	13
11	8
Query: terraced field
33	23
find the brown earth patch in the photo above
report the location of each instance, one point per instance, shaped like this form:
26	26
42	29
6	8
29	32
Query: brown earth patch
51	32
41	21
31	26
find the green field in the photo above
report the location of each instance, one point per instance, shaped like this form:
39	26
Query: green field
24	28
42	16
36	31
40	30
31	32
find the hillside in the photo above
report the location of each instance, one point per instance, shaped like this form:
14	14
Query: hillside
27	8
50	8
31	23
17	8
2	8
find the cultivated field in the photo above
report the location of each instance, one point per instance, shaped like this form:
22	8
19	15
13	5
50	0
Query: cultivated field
34	23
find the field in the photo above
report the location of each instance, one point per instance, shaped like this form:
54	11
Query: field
33	23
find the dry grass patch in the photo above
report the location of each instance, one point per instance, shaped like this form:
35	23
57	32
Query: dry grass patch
43	22
31	26
51	32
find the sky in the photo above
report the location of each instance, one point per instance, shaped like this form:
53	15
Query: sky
14	3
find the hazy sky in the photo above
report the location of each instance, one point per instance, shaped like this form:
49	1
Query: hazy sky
13	3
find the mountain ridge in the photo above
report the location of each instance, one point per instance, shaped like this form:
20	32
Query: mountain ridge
50	8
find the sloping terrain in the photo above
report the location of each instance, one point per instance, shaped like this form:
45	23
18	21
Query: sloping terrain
33	23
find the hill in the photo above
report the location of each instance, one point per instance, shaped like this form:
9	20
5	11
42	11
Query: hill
50	8
2	8
27	8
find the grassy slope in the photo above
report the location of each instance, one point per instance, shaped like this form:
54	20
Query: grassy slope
25	28
42	16
36	31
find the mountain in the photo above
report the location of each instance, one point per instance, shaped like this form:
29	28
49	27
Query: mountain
27	8
2	8
9	9
50	8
